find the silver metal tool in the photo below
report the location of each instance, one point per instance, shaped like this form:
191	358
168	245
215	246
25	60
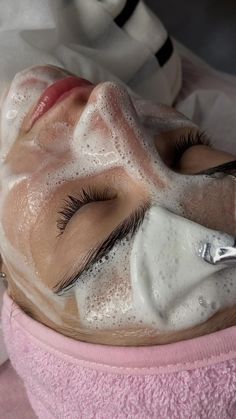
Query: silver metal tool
225	255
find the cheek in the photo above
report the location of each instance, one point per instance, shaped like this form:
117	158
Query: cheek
104	305
71	312
15	217
104	293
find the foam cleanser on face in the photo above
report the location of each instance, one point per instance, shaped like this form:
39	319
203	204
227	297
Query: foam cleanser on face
173	286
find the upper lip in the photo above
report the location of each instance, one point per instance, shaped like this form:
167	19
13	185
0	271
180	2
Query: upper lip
53	93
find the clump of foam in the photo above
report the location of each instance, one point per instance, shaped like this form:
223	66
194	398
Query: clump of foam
169	276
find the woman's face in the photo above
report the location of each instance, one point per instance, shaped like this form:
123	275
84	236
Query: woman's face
82	166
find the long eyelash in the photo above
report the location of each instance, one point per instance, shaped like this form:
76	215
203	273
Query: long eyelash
190	139
73	203
127	229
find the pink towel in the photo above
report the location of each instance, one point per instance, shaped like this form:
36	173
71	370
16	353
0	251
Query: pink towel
14	403
68	379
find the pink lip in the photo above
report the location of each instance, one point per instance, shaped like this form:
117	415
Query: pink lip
53	93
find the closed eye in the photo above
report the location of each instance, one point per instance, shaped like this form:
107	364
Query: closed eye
185	141
74	203
127	227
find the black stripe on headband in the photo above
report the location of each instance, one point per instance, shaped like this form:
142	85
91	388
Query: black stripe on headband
126	12
165	52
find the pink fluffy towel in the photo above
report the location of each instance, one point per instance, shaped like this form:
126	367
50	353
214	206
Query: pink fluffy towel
68	379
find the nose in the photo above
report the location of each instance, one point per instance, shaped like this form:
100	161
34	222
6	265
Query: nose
111	130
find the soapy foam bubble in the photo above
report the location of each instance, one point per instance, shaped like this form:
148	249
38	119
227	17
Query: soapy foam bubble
105	295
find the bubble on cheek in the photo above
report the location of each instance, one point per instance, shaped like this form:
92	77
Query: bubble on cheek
104	296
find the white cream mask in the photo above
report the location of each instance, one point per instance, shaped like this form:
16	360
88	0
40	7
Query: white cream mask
172	285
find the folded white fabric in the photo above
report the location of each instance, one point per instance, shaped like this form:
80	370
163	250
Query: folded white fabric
98	40
208	97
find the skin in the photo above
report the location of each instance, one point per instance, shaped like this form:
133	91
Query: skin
53	253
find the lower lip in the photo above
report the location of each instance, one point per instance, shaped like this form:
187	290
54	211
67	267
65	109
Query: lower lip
54	93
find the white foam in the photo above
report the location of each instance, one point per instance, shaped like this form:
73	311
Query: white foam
170	277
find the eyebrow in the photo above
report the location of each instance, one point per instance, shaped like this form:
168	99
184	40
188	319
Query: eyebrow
129	226
227	168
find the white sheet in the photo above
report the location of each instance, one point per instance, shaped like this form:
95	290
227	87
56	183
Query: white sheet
208	97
